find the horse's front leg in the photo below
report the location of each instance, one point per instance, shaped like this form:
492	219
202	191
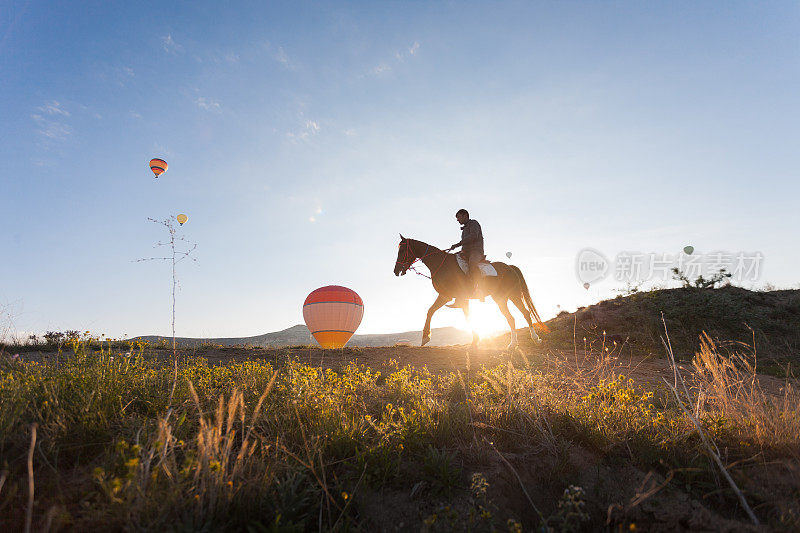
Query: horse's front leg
426	331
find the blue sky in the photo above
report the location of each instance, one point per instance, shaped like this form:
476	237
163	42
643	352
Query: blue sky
303	137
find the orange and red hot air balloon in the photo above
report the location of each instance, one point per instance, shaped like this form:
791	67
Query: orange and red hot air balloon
333	314
158	166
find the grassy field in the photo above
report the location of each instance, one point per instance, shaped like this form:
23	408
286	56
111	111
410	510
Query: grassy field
125	441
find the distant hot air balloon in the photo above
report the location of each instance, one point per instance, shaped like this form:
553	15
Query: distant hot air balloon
688	250
158	166
508	254
333	314
182	219
586	286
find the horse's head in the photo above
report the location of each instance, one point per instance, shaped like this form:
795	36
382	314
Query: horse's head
405	256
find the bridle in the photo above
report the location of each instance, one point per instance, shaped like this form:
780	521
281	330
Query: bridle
410	258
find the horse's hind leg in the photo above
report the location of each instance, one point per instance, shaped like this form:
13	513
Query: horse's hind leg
517	301
503	305
426	331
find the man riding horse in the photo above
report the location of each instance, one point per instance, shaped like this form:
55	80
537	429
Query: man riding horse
471	244
450	282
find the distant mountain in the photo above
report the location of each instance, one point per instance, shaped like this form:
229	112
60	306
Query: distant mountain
299	334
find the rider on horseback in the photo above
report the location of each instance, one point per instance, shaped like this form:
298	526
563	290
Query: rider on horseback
471	247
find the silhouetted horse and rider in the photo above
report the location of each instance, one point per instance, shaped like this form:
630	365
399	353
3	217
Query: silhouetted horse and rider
451	282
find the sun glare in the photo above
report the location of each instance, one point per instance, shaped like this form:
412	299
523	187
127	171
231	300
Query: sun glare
485	318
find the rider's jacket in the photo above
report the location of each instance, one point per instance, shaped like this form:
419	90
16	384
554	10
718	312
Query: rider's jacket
471	238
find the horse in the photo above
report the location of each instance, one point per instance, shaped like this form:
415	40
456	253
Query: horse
451	282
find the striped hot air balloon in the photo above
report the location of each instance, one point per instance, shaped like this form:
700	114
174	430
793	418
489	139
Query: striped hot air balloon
333	314
158	166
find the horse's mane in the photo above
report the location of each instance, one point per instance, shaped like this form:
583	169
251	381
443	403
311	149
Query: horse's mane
430	247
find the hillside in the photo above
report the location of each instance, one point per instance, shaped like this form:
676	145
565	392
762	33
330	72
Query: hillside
727	314
299	335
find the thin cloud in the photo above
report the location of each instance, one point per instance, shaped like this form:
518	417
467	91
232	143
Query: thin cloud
381	69
309	129
279	54
350	132
208	104
169	44
51	129
282	57
119	75
53	108
50	121
219	57
400	56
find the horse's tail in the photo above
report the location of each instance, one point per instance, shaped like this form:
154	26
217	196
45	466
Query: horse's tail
528	301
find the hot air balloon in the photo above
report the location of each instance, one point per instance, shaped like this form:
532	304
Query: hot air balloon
688	250
586	286
333	314
508	254
158	166
182	219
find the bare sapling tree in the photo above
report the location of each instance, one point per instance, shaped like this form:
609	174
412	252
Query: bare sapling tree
700	282
181	249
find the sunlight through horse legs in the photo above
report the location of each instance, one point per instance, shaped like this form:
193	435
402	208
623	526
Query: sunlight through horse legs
470	323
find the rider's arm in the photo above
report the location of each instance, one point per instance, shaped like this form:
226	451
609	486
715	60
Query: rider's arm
469	235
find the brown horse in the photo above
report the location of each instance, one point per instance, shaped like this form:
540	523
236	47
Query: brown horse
450	282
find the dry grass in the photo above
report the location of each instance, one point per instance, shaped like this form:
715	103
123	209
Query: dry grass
250	446
728	387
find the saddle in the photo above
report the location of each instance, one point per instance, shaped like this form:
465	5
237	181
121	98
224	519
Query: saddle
486	271
484	267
